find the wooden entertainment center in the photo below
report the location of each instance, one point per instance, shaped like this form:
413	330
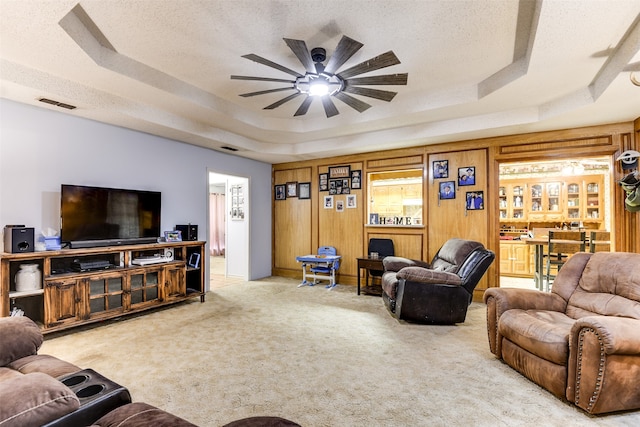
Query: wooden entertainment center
70	296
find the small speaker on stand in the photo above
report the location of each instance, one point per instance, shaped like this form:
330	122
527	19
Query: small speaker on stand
189	231
18	239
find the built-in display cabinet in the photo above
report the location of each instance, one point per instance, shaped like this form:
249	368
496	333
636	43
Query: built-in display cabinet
551	200
74	289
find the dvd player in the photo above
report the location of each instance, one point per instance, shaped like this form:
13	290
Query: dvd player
90	265
150	260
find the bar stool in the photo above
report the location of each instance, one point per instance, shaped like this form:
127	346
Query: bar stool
600	241
562	244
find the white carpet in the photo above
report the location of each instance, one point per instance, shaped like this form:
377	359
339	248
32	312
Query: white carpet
317	357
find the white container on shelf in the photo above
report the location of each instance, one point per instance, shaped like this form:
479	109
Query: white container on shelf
28	278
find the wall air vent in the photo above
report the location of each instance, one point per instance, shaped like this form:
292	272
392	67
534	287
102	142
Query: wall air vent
57	103
229	148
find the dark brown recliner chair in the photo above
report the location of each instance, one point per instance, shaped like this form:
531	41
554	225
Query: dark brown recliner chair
436	292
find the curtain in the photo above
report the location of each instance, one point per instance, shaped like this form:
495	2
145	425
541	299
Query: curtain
217	217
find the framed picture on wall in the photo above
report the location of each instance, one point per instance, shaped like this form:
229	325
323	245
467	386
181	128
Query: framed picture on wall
440	169
339	172
279	192
351	201
447	190
475	200
292	189
339	205
467	176
323	182
304	190
328	202
356	179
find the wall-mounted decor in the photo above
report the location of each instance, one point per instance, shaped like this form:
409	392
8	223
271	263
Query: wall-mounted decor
323	182
292	189
475	200
279	192
304	190
237	202
356	179
339	172
339	205
328	202
339	186
467	175
351	201
447	190
441	169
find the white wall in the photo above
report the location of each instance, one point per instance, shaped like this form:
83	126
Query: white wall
42	149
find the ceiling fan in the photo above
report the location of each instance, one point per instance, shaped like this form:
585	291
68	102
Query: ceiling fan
325	81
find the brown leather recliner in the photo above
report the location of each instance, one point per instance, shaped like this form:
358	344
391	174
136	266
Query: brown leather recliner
581	341
438	292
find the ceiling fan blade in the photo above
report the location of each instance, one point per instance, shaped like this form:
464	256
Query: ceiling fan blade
304	107
352	102
387	59
387	79
345	49
282	101
262	92
383	95
329	107
271	64
262	79
299	48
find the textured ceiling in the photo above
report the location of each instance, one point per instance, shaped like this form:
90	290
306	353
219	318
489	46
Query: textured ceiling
476	68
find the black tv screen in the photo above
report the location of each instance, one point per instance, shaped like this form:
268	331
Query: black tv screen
96	216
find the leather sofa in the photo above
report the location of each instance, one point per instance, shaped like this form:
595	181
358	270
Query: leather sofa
34	390
581	341
439	291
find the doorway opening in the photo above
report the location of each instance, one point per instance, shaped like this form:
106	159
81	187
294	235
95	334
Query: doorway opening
228	219
537	196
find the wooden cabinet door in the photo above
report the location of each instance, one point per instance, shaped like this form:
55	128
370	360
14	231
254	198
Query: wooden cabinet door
174	282
505	258
520	257
64	302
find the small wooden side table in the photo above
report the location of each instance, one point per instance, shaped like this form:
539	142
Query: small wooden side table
367	264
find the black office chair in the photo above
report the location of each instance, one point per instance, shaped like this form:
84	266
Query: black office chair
384	248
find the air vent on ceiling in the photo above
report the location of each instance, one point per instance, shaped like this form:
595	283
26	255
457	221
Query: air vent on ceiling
229	148
57	103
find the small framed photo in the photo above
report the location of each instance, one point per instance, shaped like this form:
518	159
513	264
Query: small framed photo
447	190
173	236
374	218
339	205
328	202
292	189
475	200
304	190
194	260
356	180
467	176
323	182
441	169
351	201
279	192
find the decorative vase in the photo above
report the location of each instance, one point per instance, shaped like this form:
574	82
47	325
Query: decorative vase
28	278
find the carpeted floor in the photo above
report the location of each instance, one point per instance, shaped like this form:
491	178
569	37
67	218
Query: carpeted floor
317	357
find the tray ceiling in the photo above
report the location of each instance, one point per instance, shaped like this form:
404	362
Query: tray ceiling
476	68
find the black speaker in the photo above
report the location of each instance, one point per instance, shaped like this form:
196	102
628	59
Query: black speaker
189	232
18	238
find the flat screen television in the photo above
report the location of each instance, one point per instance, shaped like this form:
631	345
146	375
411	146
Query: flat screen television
96	216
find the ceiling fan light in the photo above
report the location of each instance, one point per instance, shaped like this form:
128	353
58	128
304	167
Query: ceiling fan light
319	88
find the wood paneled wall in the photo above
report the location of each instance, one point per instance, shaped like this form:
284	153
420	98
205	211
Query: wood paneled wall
301	226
